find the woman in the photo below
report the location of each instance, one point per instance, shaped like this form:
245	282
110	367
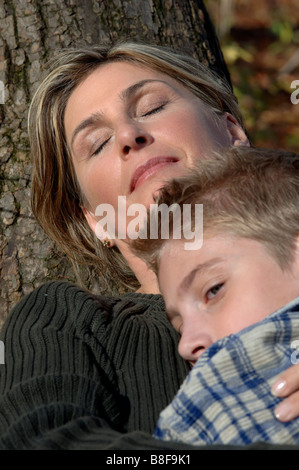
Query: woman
94	372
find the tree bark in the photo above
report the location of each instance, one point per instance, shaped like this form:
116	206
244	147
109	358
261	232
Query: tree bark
31	32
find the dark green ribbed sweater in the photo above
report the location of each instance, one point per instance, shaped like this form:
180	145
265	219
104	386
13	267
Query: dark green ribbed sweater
87	372
80	370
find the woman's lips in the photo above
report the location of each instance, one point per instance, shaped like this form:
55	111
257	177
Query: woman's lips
145	171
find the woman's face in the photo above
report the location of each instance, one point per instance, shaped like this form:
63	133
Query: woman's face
130	129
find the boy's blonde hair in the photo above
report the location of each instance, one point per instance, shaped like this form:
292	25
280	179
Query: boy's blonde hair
246	192
56	195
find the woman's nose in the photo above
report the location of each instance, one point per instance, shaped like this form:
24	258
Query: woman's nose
132	137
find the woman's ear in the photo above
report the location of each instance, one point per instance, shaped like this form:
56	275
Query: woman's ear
93	224
236	133
90	217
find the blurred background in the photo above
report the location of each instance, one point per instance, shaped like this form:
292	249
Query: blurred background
260	43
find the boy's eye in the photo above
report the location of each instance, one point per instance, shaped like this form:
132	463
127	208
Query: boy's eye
211	293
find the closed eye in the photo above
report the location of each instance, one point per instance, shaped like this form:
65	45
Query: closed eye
154	110
100	148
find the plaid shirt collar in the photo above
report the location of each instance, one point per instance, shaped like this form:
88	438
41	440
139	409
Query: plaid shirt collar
226	398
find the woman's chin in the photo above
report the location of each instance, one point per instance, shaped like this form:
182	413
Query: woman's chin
149	189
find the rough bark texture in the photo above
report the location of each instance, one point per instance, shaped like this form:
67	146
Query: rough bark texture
31	32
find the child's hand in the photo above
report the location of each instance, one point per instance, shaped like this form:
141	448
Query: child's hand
287	385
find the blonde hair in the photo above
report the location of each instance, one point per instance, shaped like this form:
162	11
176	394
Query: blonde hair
56	196
246	192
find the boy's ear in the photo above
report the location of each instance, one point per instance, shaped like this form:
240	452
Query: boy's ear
295	261
236	133
297	248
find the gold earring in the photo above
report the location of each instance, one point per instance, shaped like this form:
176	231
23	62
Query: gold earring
106	243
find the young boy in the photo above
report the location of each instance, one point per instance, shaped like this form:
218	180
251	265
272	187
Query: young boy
221	297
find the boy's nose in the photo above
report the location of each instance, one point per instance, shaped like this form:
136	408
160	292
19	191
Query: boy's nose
194	341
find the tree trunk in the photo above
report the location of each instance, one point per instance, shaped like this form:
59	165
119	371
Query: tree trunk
31	32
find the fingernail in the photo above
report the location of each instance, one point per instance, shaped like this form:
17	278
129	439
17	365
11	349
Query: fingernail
283	411
278	387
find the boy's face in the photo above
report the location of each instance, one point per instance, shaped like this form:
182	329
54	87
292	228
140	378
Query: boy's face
225	286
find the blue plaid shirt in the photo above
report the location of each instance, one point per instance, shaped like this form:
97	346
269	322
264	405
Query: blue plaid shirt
226	398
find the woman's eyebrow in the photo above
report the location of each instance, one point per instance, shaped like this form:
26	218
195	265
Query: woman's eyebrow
95	118
125	95
131	90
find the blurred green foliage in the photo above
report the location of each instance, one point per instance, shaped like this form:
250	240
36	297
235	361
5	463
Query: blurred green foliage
260	44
